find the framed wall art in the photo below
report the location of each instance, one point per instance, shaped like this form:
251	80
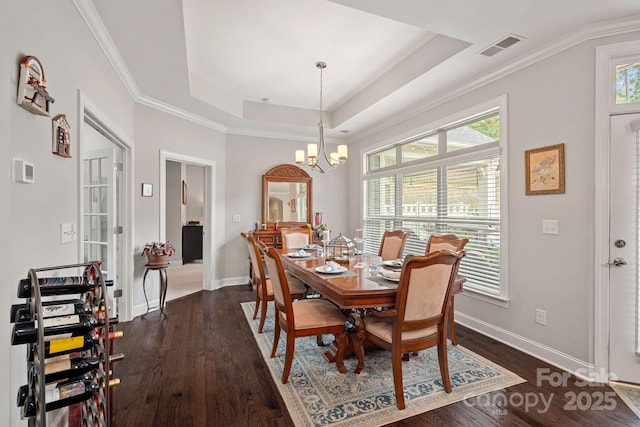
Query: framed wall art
61	136
544	170
32	90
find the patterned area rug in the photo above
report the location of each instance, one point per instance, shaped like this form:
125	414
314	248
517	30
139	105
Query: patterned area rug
630	394
318	395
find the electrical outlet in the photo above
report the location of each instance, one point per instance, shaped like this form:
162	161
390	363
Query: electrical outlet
235	218
541	317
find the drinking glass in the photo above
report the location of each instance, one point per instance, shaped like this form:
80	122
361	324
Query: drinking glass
359	239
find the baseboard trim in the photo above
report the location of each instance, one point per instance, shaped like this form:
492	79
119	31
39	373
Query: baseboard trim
581	369
232	281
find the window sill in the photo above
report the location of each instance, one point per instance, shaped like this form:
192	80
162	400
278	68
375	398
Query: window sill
498	300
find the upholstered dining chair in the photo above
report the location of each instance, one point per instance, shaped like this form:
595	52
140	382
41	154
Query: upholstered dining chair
264	289
392	244
419	318
301	318
295	238
453	243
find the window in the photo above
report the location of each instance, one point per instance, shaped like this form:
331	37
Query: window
447	181
628	83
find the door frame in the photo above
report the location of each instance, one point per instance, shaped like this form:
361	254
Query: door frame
606	57
208	249
87	107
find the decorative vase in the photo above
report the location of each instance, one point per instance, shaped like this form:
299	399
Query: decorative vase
157	260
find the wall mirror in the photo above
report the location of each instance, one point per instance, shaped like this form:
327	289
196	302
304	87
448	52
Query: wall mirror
286	196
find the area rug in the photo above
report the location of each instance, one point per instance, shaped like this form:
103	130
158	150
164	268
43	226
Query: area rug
318	395
630	394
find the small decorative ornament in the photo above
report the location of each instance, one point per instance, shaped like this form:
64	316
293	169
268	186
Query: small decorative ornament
341	250
61	136
32	91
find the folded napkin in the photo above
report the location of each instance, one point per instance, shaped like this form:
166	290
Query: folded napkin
312	247
301	253
332	266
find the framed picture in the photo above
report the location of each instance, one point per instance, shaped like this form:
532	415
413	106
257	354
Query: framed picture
61	136
184	193
544	169
147	189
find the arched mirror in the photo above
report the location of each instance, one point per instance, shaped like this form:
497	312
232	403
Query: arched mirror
286	196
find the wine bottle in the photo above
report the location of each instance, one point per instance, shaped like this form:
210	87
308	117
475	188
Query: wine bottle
55	286
76	324
22	312
63	394
23	392
116	357
60	346
69	368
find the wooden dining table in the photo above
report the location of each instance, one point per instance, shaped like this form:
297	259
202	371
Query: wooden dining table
354	291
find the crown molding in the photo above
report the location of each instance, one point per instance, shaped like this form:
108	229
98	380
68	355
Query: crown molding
589	32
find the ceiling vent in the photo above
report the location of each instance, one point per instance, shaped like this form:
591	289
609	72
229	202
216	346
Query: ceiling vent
508	41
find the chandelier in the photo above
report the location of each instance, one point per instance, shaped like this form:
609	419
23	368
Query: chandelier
318	159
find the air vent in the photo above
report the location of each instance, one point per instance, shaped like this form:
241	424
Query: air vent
508	41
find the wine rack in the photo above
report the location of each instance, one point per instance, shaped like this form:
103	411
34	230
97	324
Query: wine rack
47	336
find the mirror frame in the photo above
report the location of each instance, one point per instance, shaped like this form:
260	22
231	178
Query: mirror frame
286	173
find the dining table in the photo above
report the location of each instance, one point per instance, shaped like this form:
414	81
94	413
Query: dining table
353	288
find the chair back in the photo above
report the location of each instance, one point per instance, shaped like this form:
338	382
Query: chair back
424	290
256	263
392	244
449	242
280	284
295	238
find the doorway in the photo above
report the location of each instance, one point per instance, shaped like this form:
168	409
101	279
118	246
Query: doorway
624	327
103	204
174	180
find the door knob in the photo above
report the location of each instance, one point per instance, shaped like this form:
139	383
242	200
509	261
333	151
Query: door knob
618	262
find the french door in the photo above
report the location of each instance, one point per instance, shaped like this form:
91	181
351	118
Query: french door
624	350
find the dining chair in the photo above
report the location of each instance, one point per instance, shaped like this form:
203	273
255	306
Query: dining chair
392	244
301	318
419	318
453	243
295	238
264	289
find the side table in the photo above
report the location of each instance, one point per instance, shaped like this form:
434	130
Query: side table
162	269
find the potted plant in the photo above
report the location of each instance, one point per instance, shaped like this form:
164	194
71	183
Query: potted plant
158	253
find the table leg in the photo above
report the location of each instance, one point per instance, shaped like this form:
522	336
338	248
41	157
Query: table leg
144	288
358	340
163	287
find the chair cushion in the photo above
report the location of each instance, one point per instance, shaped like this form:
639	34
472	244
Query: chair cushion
316	313
382	327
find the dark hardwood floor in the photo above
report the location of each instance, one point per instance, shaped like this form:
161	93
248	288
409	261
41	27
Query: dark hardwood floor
200	366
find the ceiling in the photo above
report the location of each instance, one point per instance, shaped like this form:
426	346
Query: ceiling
248	66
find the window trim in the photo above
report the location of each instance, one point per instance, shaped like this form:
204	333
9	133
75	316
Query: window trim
498	104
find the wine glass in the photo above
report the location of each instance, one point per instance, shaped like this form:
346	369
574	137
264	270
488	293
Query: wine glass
326	238
359	239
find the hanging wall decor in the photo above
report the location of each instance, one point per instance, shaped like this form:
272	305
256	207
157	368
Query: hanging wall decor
32	91
61	136
544	169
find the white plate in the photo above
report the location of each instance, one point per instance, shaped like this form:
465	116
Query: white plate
297	255
321	269
393	263
394	276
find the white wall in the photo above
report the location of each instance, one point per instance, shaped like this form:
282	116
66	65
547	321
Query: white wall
248	158
72	61
195	192
549	102
174	208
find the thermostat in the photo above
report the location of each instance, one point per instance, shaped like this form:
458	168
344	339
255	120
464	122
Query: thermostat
23	171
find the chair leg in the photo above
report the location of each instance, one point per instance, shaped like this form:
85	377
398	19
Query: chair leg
288	358
397	379
454	340
263	315
444	366
276	334
319	340
255	312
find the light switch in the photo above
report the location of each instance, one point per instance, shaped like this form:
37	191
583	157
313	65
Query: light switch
550	226
67	232
235	218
